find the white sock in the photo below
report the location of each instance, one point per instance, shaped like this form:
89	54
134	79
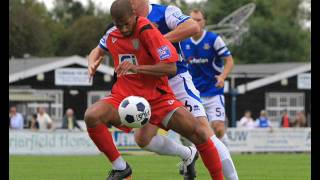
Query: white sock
225	139
119	164
165	146
229	171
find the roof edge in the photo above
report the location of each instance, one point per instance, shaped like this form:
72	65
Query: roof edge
271	79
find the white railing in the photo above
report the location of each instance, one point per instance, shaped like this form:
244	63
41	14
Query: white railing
60	142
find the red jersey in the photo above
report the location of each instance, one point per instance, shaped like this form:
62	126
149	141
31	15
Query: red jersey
147	46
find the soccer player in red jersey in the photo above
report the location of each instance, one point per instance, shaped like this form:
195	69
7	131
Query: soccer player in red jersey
143	58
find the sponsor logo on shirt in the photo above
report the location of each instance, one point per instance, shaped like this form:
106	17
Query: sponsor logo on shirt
193	60
164	52
128	57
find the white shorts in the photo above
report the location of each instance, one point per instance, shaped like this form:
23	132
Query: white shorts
185	91
214	107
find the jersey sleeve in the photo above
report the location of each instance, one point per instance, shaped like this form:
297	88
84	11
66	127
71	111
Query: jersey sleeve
158	46
221	48
174	17
102	44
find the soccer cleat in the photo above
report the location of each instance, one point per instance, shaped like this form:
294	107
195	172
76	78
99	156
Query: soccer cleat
189	172
181	171
120	174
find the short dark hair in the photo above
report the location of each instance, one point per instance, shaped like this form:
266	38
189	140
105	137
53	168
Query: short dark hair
34	116
204	14
120	8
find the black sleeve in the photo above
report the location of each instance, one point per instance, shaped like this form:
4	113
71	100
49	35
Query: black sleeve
114	78
110	25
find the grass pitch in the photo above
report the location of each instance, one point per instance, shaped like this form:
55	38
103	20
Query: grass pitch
154	167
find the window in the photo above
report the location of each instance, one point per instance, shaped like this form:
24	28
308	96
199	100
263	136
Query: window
56	112
277	102
94	96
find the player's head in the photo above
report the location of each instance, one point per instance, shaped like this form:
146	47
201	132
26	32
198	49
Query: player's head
140	7
123	16
69	112
13	110
199	16
263	113
247	113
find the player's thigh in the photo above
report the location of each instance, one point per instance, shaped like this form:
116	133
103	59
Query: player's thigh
102	112
144	134
205	125
183	122
186	93
214	107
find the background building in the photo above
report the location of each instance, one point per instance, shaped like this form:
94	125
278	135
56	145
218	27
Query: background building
57	84
61	83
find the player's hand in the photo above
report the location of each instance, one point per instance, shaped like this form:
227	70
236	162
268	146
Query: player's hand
220	82
93	65
125	67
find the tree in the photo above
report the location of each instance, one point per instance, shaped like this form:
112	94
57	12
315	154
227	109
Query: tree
83	35
29	32
275	33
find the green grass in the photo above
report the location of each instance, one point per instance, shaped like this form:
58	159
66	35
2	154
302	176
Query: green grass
154	167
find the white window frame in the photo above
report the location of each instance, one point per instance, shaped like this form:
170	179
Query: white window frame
100	94
283	102
57	104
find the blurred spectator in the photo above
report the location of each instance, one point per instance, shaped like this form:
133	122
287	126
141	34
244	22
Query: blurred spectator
263	121
44	120
300	120
69	120
16	119
285	120
34	123
247	121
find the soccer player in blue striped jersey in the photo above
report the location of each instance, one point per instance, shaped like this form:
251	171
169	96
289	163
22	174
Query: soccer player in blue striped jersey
209	63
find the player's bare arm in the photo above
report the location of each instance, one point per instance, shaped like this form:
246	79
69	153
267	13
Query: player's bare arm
183	31
227	69
95	58
159	69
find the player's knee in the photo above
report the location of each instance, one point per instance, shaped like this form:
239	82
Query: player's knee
218	128
201	134
91	117
142	141
219	131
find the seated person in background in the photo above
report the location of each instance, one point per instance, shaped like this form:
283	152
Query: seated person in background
34	125
285	120
69	120
44	120
247	121
263	121
300	120
16	119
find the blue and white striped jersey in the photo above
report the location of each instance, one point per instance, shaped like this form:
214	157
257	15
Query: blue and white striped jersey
204	58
